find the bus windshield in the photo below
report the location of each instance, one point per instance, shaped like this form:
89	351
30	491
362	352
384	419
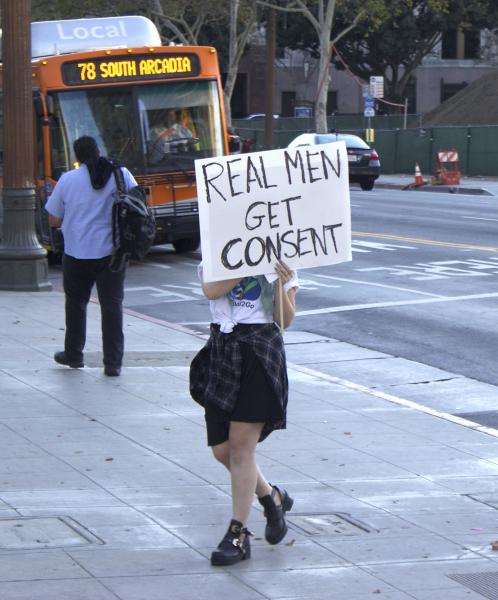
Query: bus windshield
149	128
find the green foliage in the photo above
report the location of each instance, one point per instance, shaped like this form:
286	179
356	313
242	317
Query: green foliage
396	46
394	36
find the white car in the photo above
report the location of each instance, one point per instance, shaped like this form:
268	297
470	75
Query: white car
364	163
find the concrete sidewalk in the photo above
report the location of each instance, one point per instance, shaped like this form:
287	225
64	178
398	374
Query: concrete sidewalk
474	186
107	489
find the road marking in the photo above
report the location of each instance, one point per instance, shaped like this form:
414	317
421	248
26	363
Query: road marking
381	246
350	307
381	285
386	236
394	399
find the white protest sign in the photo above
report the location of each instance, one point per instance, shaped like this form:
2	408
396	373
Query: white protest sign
290	204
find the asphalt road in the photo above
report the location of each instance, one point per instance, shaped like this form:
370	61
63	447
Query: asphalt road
423	283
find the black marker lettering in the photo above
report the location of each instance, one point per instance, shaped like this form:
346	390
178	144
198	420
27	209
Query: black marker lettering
258	217
294	164
335	168
208	180
310	168
271	249
287	201
251	167
224	255
263	170
249	261
232	177
271	216
332	233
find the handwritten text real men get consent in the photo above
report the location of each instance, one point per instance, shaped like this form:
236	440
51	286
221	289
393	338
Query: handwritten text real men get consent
256	208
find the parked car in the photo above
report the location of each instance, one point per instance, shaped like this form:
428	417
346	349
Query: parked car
259	116
364	163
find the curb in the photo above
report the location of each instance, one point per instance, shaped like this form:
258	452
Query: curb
445	189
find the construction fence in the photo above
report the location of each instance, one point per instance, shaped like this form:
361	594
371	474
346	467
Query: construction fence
399	149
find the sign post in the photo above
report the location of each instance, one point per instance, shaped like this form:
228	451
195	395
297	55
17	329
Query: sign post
291	204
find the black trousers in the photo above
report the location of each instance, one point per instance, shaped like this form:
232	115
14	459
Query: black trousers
79	276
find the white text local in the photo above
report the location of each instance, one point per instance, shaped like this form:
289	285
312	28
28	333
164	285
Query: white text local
97	31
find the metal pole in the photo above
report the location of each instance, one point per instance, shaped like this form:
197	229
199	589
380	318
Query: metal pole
406	113
270	76
23	263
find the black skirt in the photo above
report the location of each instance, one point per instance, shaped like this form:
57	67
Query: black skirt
256	403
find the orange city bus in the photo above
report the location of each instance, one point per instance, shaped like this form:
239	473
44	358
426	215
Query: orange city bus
110	78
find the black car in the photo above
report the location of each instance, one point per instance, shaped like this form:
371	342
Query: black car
364	163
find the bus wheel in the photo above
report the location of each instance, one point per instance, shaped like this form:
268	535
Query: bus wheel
186	244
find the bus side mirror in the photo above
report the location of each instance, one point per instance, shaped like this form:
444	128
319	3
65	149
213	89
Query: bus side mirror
49	103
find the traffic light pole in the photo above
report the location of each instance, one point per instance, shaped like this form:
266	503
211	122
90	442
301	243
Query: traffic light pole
23	263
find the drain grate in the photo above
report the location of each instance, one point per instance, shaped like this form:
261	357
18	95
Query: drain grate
485	583
327	524
26	533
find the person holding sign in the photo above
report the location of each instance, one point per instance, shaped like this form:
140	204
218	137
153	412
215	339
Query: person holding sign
240	379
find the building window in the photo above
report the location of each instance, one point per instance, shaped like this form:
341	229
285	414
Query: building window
450	89
331	102
472	46
288	103
461	44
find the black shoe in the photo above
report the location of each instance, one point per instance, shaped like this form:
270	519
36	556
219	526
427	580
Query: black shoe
276	527
232	548
62	359
112	371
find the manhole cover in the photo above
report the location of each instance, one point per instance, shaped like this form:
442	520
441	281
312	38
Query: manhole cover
485	583
337	524
43	532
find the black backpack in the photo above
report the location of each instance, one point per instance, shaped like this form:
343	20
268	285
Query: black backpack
133	224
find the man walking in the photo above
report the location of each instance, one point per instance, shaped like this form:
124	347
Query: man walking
81	204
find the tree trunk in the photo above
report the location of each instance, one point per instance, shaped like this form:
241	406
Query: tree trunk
232	68
323	85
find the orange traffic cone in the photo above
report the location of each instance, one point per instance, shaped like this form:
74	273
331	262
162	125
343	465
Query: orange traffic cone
418	175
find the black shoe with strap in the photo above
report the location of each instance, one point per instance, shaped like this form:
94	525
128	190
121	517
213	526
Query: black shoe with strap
276	527
234	547
62	358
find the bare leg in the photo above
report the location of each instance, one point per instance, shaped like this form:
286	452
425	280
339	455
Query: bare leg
222	454
243	439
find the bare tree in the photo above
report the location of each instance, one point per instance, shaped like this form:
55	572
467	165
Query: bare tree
320	13
236	45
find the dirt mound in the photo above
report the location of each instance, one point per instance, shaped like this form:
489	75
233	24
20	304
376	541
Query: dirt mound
475	104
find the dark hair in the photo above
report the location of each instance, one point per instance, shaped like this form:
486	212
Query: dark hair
86	149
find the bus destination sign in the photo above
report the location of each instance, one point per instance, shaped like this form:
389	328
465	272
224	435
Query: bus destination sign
130	68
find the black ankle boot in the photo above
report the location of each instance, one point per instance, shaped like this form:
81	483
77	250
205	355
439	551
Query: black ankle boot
276	527
235	546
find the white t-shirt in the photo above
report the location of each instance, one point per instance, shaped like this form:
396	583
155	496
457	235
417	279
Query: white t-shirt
243	304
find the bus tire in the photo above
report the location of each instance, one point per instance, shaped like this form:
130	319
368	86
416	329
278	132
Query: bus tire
186	244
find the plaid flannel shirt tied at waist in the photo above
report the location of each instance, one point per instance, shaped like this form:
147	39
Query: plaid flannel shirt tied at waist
216	369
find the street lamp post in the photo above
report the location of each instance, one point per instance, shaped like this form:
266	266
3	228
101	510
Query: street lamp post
23	262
